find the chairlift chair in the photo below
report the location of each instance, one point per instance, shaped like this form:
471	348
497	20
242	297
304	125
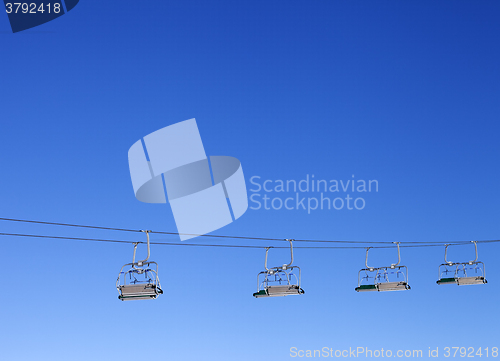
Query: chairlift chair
279	281
391	278
459	271
140	281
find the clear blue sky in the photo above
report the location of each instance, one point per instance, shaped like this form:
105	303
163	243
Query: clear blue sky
404	92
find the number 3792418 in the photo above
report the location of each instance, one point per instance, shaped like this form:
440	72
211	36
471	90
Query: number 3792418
470	352
32	8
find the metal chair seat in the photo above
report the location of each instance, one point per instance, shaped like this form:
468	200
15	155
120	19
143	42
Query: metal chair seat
279	290
471	281
366	288
139	291
446	281
392	286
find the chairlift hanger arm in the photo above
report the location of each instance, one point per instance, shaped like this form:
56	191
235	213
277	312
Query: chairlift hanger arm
445	255
475	246
394	265
265	263
140	263
291	252
449	263
366	261
285	266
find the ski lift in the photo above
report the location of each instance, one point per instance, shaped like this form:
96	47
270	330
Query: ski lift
391	278
140	281
464	273
279	281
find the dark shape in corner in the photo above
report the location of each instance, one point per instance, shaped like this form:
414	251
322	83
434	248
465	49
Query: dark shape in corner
70	4
29	14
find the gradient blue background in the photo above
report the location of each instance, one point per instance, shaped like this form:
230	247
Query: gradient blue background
405	92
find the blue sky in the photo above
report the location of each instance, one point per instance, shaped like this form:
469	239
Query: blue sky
406	93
